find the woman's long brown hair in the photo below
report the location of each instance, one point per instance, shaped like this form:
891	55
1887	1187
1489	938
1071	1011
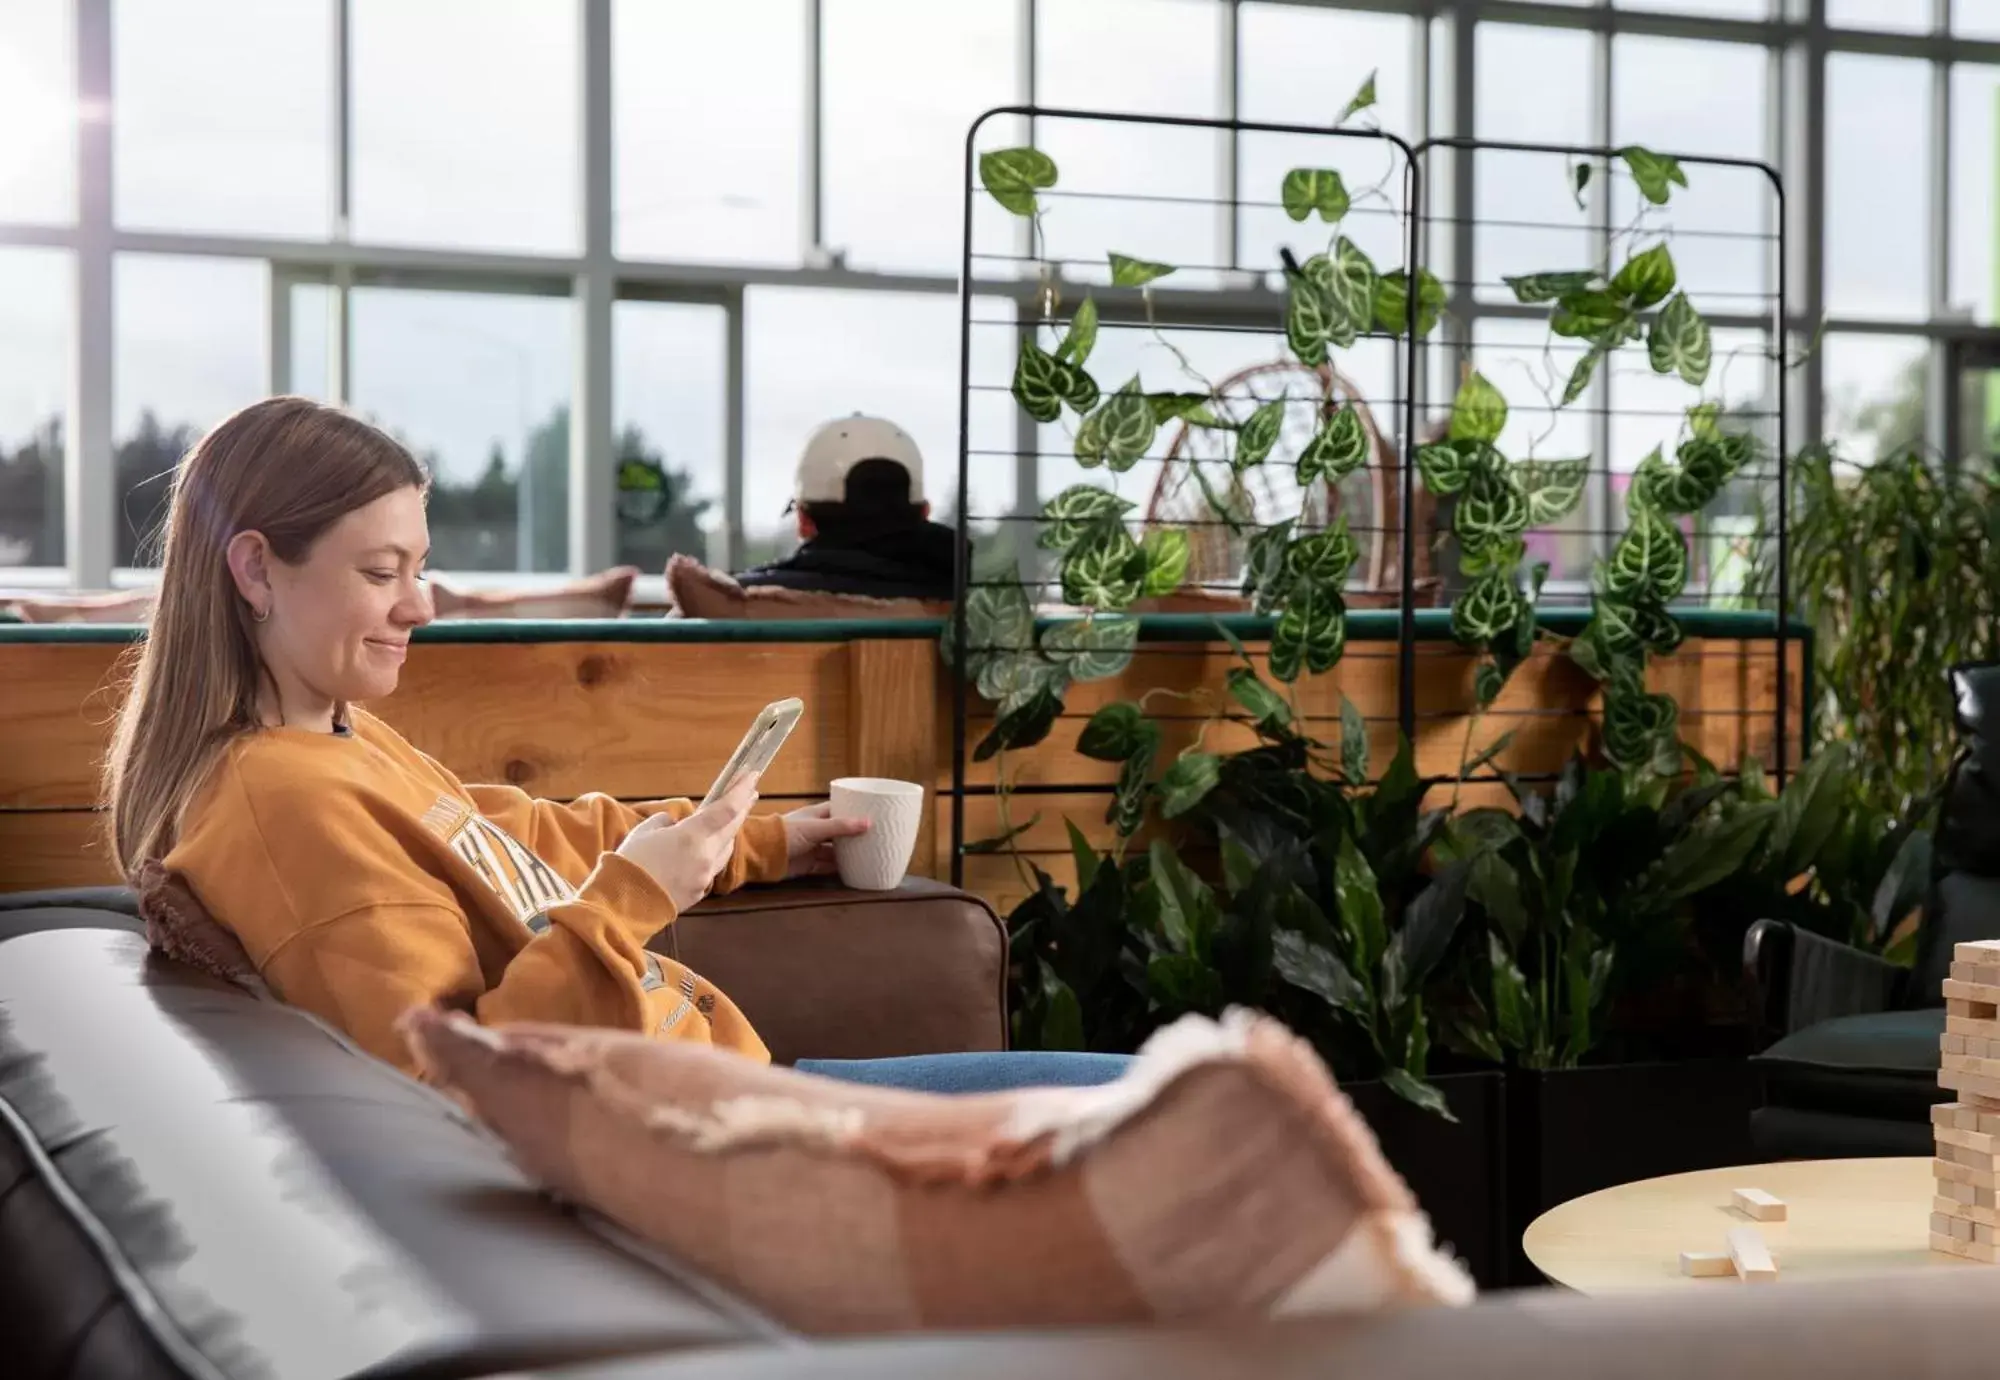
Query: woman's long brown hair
286	467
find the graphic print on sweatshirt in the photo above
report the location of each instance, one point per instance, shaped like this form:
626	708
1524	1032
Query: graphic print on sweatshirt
527	885
523	881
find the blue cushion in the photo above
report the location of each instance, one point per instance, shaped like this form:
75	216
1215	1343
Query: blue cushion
1881	1064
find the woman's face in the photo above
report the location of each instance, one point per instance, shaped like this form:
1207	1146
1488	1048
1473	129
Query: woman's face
340	620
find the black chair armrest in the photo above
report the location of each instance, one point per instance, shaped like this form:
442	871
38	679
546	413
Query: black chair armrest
1797	978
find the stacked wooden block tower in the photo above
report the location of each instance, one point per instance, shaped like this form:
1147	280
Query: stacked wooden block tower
1965	1215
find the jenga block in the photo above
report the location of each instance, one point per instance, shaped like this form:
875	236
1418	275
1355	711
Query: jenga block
1969	1195
1971	1086
1969	1250
1977	994
1961	1174
1711	1264
1979	975
1961	1229
1965	1025
1965	1063
1985	1161
1983	951
1967	1140
1952	1044
1758	1205
1940	1226
1753	1258
1949	1207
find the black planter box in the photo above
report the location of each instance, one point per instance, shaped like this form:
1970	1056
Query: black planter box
1574	1131
1458	1170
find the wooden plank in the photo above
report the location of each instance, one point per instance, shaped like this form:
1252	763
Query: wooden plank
60	700
892	705
52	848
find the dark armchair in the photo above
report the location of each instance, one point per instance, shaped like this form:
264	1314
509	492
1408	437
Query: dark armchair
1849	1043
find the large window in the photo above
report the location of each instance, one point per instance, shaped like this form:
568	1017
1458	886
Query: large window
389	205
478	385
191	349
35	336
187	74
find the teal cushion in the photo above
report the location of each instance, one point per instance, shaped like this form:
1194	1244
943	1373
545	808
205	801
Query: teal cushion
1881	1064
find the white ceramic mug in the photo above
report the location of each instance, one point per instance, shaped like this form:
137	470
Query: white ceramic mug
876	860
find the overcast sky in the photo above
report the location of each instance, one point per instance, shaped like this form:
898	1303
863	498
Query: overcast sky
465	135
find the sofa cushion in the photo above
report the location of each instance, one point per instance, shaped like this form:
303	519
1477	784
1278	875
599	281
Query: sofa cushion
695	591
233	1188
1879	1064
1222	1176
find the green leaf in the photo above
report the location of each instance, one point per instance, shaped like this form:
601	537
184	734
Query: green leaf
1417	1092
1809	810
1266	574
1487	683
1092	648
1001	841
1553	488
1306	190
1309	315
1258	435
1174	407
1080	511
1351	288
1259	700
1013	176
1353	743
1106	570
1653	172
1324	558
1359	895
1079	389
1311	632
1637	726
1590	315
1188	781
1711	854
1679	341
1128	805
1492	606
1448	466
1183	982
1510	996
1428	927
1081	337
1492	512
1023	725
1478	413
1362	99
1532	289
1130	272
1167	552
1085	854
1650	561
1314	968
1115	732
998	620
1580	177
1004	679
1646	278
1494	888
1392	302
1039	382
1705	421
1062	1014
1336	450
1579	375
1120	431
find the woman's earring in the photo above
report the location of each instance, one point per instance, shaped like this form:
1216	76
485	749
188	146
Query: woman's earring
260	615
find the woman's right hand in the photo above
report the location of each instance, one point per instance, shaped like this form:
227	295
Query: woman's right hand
684	858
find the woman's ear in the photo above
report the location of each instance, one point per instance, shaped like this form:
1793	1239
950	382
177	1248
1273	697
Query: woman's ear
250	566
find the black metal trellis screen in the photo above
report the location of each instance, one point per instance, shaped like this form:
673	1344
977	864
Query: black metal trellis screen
1151	407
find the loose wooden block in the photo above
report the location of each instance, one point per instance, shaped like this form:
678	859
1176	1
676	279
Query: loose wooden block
1758	1205
1971	1212
1753	1258
1711	1264
1986	951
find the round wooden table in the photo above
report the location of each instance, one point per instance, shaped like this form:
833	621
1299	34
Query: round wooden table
1844	1218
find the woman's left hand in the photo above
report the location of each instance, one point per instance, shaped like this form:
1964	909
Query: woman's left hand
809	836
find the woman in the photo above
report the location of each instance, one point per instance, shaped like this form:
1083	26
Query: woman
361	877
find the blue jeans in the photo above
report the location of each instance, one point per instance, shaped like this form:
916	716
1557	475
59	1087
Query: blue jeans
992	1071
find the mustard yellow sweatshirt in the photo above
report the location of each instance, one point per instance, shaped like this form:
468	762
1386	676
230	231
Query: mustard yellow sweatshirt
364	879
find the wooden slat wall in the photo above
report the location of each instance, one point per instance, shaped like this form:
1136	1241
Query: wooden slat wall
645	720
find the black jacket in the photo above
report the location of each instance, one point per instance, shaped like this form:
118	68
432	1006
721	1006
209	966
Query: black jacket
899	563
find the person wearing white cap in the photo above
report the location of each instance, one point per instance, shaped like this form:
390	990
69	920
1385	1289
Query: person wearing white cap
864	524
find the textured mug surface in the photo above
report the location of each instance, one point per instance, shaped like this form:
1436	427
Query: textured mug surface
876	860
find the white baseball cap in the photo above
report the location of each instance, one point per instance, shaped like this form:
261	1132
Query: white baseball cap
840	445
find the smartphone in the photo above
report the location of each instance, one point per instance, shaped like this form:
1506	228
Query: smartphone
768	731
